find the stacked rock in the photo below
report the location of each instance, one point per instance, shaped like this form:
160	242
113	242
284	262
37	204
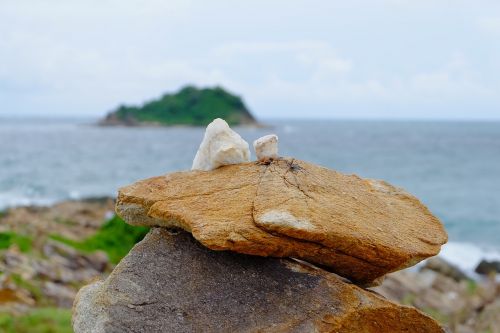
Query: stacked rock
295	243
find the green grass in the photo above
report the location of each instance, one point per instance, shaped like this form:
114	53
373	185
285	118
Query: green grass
41	320
9	238
471	287
437	315
35	291
408	299
115	238
65	221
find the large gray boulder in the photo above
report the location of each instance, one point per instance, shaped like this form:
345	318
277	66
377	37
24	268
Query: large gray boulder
171	283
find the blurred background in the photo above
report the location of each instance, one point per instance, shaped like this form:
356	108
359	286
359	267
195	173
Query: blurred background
398	90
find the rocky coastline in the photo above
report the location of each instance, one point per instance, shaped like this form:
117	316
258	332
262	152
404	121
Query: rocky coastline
51	273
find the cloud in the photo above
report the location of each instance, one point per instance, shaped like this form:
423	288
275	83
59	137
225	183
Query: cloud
326	77
85	57
490	24
319	56
454	79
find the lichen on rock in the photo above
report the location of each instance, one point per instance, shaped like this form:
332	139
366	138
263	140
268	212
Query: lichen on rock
284	219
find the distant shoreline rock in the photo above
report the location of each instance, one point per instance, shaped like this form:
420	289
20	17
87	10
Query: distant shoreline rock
486	267
190	106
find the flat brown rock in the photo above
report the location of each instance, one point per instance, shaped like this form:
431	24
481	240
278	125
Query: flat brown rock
171	283
360	229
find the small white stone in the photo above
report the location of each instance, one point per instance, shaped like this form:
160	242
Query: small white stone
220	146
266	147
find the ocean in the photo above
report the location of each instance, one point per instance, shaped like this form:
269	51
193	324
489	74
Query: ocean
453	167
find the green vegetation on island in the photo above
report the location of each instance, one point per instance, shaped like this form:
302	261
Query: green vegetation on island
190	106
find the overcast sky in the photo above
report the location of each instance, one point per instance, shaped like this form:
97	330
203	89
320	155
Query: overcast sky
325	59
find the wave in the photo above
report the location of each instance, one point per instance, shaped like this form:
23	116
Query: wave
11	200
467	256
8	200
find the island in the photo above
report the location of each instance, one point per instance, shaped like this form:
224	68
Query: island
190	106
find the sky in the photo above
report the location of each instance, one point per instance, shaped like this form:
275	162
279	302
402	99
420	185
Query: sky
373	59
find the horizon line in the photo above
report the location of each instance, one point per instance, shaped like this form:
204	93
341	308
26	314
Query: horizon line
408	119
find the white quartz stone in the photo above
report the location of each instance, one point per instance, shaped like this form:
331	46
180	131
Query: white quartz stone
266	147
220	146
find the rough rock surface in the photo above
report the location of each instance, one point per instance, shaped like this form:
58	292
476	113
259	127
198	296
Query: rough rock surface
220	146
40	272
464	306
266	147
360	229
170	283
445	268
75	219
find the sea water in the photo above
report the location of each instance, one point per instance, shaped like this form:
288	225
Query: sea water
453	167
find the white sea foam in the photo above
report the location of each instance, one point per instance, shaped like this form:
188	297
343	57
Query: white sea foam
467	256
12	200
